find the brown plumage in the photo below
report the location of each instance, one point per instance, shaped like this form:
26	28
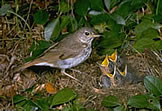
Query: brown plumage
69	52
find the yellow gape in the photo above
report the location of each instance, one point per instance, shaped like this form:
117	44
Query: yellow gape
124	73
105	62
113	57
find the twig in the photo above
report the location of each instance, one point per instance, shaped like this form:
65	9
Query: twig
157	56
29	12
20	18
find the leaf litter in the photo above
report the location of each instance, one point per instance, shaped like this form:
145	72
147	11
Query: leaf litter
90	91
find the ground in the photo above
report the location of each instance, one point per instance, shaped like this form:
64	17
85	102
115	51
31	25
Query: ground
90	93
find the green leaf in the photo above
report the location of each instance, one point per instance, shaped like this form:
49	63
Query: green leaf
73	24
127	7
119	19
18	98
158	44
4	9
144	25
146	40
114	3
82	22
101	27
105	51
138	101
145	43
29	106
26	105
69	22
107	4
153	85
41	17
96	5
94	12
76	107
52	30
119	108
30	90
37	49
101	18
136	4
110	101
81	7
131	23
65	20
158	18
42	103
144	101
111	40
63	96
111	43
124	9
64	7
113	26
150	33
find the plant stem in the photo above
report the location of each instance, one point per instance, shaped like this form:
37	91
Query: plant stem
20	18
157	7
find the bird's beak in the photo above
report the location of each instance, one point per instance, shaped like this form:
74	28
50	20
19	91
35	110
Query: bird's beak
94	35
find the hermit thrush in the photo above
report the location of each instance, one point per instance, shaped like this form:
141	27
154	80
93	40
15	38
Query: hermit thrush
69	52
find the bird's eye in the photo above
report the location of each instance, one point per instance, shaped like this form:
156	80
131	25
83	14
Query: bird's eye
86	33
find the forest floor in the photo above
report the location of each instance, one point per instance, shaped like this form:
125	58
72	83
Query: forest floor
90	93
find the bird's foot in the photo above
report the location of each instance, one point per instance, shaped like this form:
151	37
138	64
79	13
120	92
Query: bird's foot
63	72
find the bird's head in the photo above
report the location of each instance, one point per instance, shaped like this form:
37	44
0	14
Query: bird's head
86	34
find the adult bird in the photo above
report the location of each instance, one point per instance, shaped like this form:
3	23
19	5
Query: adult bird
69	52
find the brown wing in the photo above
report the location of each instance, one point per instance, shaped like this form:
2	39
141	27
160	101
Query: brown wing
53	56
58	52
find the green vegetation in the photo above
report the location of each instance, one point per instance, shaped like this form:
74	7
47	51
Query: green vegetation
123	23
150	100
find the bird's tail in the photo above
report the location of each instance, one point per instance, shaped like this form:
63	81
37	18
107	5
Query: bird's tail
26	65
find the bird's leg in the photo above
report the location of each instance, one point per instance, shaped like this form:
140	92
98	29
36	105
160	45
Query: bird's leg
63	72
113	82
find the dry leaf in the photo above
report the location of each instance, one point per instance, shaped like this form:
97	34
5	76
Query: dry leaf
39	88
50	88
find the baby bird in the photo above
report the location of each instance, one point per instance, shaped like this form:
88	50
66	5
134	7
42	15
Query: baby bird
116	72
